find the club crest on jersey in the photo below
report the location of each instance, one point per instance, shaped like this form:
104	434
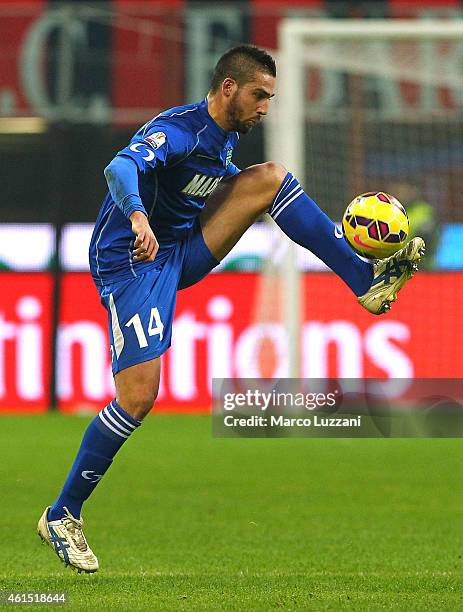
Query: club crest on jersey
201	185
229	156
156	140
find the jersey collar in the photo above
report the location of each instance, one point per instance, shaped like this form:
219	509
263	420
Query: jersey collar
214	126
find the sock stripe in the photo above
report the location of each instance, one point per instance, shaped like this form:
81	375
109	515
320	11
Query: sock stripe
115	423
285	197
109	426
114	410
281	209
280	204
283	187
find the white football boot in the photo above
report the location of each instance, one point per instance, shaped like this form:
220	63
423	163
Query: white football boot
67	539
390	275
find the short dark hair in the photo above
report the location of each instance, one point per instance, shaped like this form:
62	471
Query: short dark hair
240	63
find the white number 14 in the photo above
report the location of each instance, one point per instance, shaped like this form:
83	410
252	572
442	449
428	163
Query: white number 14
155	327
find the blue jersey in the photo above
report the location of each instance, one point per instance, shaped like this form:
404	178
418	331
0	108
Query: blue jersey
181	156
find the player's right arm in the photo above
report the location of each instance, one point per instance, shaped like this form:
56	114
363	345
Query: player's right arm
146	152
145	246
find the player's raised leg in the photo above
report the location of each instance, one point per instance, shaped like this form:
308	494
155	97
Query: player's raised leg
238	202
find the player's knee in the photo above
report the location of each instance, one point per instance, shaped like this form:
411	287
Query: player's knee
274	174
137	387
139	402
269	177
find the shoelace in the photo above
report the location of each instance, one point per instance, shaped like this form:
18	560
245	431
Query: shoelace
74	526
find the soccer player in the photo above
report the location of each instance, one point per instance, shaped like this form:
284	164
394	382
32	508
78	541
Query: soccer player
176	206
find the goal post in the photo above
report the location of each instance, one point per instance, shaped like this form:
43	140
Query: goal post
362	105
299	37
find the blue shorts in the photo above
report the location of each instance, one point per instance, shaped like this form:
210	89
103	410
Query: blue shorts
141	309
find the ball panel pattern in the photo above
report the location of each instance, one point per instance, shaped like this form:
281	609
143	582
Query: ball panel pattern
375	224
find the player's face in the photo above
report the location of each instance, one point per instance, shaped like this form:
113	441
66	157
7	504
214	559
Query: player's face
249	103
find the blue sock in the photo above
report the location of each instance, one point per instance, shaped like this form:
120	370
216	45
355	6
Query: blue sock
302	221
104	436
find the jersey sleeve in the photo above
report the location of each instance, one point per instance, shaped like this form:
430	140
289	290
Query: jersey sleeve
162	145
122	178
232	170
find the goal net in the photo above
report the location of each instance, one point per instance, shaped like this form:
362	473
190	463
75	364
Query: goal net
364	105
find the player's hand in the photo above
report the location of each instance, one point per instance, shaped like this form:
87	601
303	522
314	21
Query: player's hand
145	246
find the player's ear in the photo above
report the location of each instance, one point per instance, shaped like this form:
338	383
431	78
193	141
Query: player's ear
229	86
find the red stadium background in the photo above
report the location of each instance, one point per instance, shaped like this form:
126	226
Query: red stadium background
134	52
215	336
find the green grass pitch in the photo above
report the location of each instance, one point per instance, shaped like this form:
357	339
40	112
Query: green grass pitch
185	521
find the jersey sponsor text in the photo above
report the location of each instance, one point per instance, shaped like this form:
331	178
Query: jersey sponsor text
201	185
